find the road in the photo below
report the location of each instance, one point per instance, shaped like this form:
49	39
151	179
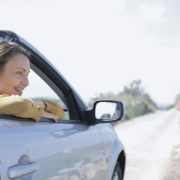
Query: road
152	144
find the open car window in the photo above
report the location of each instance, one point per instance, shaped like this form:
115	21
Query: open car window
47	83
38	89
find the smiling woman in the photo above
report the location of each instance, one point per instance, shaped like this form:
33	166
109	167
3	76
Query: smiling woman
14	70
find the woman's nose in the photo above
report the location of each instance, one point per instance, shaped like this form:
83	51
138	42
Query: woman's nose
25	81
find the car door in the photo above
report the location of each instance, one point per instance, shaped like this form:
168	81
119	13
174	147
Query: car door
70	149
65	150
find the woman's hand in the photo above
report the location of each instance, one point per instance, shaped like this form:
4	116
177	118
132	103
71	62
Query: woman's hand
54	113
50	116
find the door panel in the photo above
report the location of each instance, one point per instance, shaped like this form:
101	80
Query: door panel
63	151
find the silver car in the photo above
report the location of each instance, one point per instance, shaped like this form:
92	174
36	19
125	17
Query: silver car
81	146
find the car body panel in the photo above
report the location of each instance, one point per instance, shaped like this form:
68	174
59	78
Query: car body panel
62	150
113	147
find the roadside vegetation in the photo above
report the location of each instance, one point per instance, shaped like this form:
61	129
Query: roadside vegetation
137	102
177	102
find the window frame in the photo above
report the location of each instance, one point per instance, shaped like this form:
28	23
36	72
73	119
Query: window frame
42	67
50	79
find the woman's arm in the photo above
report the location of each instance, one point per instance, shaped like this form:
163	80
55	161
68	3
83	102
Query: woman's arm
25	108
39	103
20	107
50	107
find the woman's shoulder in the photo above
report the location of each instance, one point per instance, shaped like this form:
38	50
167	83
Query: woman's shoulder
4	95
14	97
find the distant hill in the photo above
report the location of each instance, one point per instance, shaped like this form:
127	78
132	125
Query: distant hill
163	106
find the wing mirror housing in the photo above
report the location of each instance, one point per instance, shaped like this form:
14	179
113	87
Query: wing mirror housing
105	111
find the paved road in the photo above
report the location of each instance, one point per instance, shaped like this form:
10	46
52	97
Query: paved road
152	145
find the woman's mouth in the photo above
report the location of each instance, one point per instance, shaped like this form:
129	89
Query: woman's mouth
18	91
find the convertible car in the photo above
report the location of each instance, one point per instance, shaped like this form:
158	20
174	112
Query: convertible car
81	146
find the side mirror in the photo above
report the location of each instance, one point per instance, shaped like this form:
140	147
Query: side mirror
106	111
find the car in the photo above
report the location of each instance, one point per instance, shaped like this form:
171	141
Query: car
81	146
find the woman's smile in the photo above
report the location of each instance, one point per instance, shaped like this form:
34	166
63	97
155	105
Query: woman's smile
19	91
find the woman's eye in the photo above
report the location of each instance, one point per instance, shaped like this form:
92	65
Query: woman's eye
20	73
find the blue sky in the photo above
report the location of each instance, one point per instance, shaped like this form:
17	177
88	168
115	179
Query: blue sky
102	45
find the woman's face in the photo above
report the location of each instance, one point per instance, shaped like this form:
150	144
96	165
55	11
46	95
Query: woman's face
14	77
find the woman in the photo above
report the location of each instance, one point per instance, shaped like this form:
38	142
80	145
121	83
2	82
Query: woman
14	70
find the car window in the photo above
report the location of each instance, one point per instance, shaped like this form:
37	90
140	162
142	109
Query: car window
39	89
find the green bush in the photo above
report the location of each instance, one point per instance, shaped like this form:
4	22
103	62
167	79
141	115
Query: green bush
136	101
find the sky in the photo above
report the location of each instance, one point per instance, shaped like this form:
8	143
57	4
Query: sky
102	45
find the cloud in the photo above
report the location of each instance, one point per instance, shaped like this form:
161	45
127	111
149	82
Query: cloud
159	17
131	6
151	13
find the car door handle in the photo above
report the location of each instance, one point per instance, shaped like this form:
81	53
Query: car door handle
21	170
